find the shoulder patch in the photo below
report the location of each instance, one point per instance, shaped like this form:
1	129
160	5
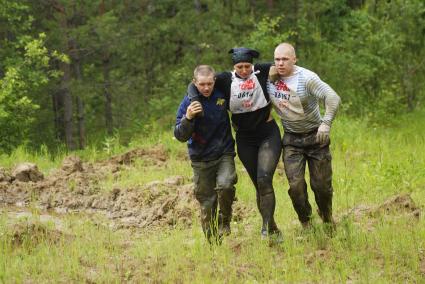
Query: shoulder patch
220	102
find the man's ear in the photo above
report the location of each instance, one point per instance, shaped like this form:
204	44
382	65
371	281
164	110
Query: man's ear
194	81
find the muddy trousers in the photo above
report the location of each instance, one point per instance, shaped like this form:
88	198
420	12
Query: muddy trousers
299	150
215	186
260	152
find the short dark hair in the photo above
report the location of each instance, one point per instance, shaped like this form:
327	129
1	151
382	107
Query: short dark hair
203	70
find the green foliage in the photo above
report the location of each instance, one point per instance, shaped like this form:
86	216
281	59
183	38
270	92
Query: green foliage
27	72
142	53
267	34
367	54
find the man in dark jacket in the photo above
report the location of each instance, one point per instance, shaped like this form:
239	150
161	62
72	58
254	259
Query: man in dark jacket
205	125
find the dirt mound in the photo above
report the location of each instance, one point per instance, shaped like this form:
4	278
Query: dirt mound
401	205
30	233
27	172
152	156
158	203
5	175
72	164
76	187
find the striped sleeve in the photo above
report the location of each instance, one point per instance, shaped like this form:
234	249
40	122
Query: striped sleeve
324	92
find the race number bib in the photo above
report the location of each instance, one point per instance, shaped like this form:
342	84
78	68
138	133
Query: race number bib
246	95
285	99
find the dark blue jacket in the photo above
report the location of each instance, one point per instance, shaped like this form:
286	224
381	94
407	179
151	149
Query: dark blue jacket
208	137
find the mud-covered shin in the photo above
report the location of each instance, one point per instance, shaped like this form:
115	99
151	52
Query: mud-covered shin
226	196
225	188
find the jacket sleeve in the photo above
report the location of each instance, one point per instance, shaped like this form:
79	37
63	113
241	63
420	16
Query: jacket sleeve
184	127
263	76
263	68
223	82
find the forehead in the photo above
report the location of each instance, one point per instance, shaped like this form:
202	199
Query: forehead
205	78
283	52
243	64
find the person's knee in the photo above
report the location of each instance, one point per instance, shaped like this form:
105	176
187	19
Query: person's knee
206	199
297	184
225	182
265	184
297	188
322	184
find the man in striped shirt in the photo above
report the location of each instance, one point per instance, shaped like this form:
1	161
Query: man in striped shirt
295	93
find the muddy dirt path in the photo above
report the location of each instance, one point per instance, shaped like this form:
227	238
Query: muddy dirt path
75	187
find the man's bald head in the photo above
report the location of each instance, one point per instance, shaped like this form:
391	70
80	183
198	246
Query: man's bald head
286	48
285	59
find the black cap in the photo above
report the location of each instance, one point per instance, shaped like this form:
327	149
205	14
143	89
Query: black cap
243	54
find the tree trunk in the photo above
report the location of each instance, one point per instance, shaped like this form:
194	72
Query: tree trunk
198	10
57	103
75	55
64	92
108	96
270	5
81	123
409	90
67	105
296	14
106	82
252	6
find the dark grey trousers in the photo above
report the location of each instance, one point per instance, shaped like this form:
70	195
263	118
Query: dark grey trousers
215	186
299	150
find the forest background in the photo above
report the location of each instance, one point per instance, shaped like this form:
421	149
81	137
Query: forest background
77	73
89	92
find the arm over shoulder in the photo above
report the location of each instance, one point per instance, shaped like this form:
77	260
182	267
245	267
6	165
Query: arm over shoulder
223	81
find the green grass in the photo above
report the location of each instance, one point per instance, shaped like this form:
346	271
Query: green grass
370	164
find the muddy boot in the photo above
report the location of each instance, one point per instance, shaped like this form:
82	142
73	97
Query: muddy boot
212	234
209	222
267	206
276	235
273	227
225	199
224	229
272	234
223	225
306	225
326	217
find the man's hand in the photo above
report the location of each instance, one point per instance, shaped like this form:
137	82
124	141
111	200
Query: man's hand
273	74
193	109
322	136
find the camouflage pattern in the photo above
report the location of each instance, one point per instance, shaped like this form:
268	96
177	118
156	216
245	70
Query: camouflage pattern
214	187
299	150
